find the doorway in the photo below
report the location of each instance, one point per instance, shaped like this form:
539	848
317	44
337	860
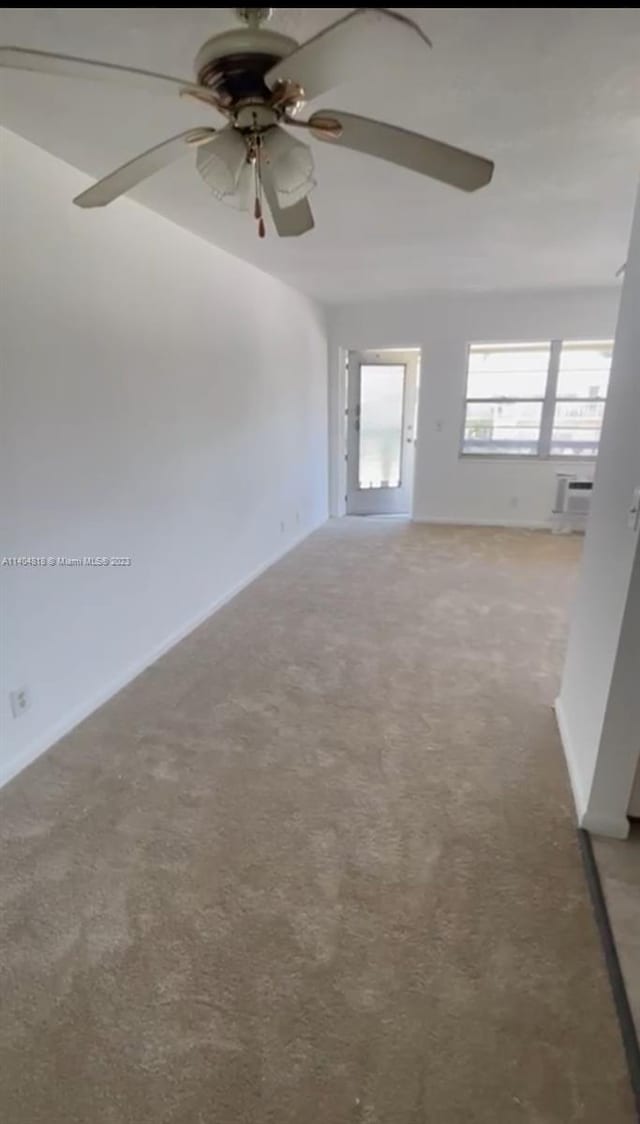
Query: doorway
382	398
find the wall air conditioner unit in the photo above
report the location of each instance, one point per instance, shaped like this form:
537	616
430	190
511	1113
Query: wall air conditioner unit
572	502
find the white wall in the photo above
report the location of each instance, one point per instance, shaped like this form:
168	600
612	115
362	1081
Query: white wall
612	788
162	400
599	705
448	488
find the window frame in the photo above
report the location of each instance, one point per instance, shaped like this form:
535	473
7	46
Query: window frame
549	402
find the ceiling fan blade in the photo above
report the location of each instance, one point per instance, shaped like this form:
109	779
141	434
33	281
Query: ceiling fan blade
421	154
19	58
330	58
138	169
289	222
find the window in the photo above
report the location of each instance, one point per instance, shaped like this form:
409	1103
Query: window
581	393
536	399
506	386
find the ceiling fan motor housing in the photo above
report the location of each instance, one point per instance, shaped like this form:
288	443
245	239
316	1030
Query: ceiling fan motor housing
233	64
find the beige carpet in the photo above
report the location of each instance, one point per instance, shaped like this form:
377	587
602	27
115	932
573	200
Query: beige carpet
318	865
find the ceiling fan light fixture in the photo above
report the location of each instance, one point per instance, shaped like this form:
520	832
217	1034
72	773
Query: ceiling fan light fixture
291	165
256	80
224	167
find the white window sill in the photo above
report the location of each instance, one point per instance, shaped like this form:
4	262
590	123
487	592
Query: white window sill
530	457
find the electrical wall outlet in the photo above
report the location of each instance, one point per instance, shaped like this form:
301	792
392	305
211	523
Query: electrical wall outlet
20	700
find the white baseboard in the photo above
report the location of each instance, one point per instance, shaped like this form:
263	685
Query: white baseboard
589	819
523	524
46	740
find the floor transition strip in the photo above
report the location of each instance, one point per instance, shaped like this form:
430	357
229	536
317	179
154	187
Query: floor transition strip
625	1018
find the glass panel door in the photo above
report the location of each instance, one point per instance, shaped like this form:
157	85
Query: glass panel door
381	424
382	395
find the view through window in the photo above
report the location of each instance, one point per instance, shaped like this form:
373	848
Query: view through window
381	407
536	399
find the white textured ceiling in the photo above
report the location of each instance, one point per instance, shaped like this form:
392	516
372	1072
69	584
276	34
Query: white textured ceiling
551	94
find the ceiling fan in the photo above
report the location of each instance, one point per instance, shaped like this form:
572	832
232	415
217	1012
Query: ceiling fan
257	80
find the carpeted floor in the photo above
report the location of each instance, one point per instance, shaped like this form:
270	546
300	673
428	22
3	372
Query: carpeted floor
318	865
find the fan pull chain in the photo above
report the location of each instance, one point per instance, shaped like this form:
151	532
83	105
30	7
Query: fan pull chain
257	209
